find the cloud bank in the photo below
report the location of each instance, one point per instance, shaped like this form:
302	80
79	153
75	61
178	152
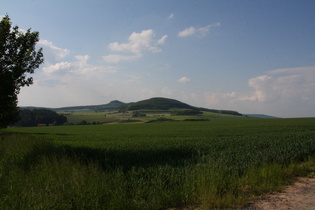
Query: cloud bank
183	80
52	51
283	84
201	31
136	45
277	92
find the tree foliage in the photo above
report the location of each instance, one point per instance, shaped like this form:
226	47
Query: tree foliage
18	58
186	112
29	118
137	114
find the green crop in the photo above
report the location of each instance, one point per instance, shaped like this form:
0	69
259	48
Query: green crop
208	164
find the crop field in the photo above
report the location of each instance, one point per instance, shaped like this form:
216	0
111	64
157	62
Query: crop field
117	117
197	164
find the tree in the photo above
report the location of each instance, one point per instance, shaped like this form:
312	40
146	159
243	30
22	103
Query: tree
27	118
40	116
18	58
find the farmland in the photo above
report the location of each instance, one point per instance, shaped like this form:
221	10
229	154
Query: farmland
120	117
203	164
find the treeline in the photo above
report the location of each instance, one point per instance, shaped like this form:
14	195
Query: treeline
29	118
186	112
230	112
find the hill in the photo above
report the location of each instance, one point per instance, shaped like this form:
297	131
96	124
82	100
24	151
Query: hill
113	105
157	103
259	116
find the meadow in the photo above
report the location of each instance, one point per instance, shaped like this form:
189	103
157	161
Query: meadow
109	117
198	164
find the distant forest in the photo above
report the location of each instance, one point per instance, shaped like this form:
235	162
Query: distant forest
37	117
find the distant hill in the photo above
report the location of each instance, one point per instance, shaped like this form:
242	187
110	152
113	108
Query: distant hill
32	107
113	105
160	103
230	112
157	103
260	116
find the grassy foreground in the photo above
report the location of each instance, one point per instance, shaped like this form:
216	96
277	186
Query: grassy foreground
213	164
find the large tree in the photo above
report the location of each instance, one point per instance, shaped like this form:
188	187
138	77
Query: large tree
18	59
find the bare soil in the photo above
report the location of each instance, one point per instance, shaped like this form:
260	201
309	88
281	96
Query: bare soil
300	195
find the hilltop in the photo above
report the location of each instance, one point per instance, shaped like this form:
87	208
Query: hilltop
113	105
157	103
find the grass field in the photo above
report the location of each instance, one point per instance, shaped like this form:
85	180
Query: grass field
118	117
211	164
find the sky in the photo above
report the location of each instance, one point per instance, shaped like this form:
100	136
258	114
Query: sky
251	56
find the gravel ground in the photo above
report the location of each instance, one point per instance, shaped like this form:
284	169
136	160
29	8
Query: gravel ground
299	196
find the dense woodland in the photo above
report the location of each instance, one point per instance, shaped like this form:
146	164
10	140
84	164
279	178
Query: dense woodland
29	118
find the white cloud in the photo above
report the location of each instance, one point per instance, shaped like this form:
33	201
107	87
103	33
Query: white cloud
280	92
218	97
187	32
283	84
56	67
80	66
183	80
136	45
114	58
82	59
201	31
162	40
138	42
171	16
51	50
70	83
265	89
232	94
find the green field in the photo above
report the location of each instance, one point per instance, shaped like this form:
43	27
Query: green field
209	164
120	117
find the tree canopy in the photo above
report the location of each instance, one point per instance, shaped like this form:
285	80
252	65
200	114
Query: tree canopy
18	59
34	117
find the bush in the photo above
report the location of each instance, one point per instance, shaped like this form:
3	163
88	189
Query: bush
138	114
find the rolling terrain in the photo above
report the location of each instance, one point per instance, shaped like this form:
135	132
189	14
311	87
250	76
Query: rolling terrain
157	103
149	110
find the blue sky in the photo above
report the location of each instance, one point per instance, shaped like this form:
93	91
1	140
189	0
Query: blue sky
252	56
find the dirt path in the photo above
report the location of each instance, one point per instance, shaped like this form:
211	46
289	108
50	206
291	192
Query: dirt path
300	195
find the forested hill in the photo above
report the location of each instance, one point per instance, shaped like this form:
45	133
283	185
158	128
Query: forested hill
156	104
159	103
113	105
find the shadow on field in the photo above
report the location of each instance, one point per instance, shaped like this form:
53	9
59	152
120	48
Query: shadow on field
112	159
57	134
